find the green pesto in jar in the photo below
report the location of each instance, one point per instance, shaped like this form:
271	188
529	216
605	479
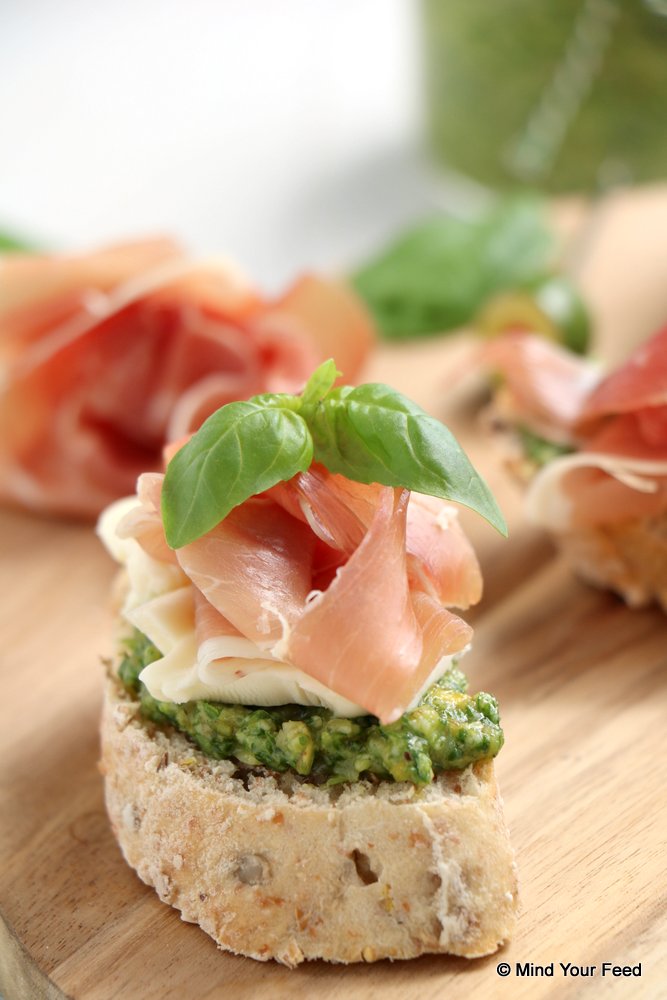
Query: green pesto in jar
448	730
565	95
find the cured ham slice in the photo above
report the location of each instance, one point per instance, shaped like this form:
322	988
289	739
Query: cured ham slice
441	630
615	494
361	637
618	425
641	435
38	290
547	384
589	490
144	521
372	636
619	414
252	573
335	588
255	568
340	512
440	558
108	356
638	385
332	318
623	431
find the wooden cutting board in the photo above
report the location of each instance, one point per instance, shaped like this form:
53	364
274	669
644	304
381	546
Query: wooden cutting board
582	683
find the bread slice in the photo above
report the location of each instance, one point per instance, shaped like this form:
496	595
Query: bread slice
272	867
629	558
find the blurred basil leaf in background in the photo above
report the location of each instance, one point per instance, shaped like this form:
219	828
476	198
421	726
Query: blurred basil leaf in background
9	243
436	276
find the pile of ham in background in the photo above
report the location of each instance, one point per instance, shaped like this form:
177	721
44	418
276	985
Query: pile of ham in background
109	356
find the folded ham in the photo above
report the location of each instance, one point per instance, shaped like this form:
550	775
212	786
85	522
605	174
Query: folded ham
108	356
346	582
544	385
616	427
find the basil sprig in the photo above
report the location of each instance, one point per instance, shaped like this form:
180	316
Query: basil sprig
10	243
369	433
436	276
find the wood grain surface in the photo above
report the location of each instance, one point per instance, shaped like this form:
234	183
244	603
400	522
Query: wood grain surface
582	683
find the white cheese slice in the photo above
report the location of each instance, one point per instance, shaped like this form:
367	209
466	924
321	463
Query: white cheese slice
166	619
147	577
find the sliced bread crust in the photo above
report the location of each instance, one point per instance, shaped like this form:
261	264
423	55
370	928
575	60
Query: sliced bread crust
629	558
272	867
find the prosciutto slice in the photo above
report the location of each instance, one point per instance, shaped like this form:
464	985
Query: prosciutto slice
343	582
144	522
440	559
639	385
546	384
591	489
255	568
338	510
361	637
440	630
110	355
619	472
623	432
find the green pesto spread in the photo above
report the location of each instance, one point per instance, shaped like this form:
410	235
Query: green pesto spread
448	730
539	450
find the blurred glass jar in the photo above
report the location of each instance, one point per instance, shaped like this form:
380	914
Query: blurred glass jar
563	95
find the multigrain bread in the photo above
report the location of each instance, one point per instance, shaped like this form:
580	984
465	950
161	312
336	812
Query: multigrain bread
629	558
272	867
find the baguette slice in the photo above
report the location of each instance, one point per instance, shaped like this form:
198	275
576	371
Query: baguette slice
629	558
272	867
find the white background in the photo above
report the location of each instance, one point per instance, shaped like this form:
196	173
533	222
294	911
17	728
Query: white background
284	133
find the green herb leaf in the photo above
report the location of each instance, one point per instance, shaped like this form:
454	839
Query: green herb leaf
243	449
278	400
436	276
370	434
9	243
319	384
373	434
539	450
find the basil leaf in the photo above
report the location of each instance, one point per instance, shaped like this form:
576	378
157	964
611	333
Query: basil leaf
375	435
279	400
9	243
436	276
319	384
242	449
